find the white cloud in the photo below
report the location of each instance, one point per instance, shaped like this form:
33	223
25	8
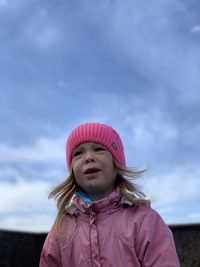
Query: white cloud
174	193
31	223
24	186
24	196
43	150
24	206
176	185
151	129
195	216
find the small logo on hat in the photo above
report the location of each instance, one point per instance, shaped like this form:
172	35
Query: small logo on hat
114	146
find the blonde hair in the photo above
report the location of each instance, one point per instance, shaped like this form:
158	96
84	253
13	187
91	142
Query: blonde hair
64	192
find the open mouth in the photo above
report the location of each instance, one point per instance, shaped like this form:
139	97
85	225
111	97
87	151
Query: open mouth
91	171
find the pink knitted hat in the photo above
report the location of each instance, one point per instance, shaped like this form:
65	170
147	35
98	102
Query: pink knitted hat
97	133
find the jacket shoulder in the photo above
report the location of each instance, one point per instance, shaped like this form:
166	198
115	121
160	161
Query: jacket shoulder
129	219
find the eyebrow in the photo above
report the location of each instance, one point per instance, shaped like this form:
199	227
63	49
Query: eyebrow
81	146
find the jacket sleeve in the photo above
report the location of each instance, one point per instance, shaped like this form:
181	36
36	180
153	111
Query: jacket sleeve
51	255
155	242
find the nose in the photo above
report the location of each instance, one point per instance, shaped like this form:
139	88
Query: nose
89	157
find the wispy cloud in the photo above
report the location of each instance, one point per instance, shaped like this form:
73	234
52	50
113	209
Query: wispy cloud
196	29
11	3
41	30
3	3
152	129
43	150
43	35
21	171
148	131
148	40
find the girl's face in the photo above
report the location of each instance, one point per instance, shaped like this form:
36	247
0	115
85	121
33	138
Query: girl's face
94	170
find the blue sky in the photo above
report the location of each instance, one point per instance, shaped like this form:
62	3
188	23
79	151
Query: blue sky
132	64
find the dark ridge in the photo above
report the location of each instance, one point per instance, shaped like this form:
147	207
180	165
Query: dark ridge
21	249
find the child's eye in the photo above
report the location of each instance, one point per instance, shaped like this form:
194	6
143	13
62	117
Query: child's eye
99	148
77	153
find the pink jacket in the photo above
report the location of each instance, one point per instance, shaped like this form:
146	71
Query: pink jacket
110	233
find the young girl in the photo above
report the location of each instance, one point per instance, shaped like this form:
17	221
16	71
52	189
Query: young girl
103	218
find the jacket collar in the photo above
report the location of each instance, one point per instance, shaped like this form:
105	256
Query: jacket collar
112	201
